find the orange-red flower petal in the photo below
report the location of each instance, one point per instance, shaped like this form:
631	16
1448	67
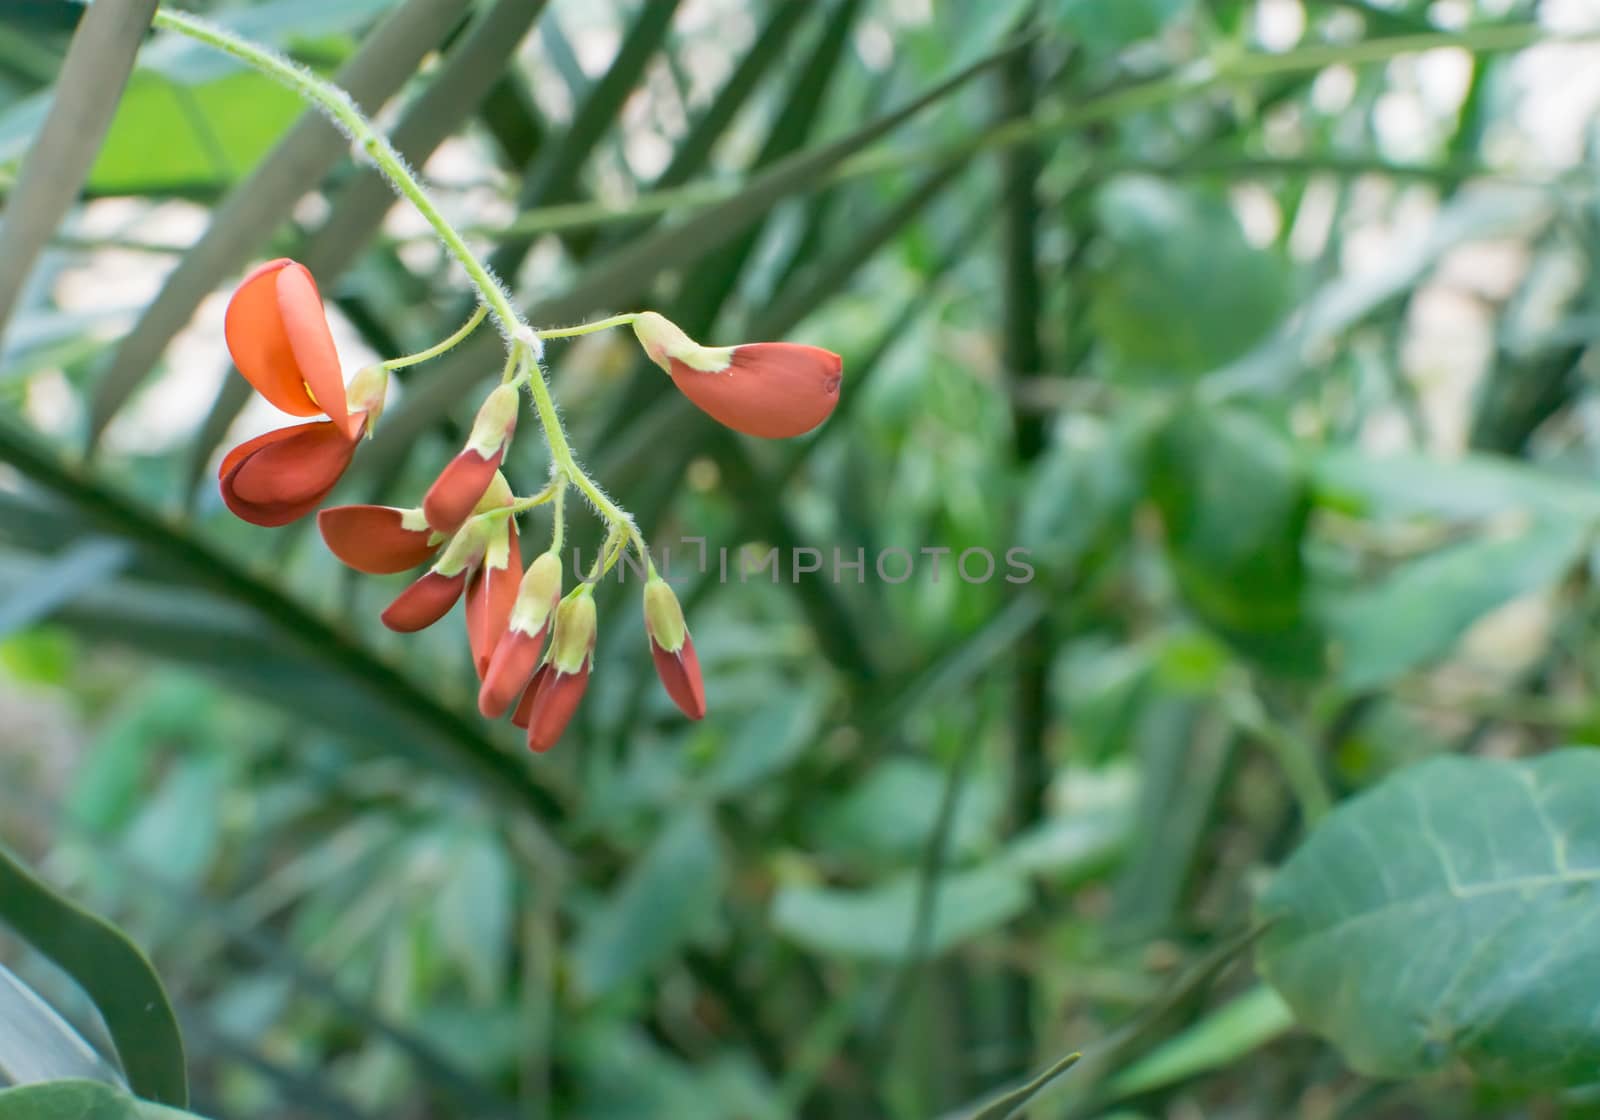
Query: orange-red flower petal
425	602
491	593
374	539
769	389
455	493
525	706
680	674
554	703
281	476
278	335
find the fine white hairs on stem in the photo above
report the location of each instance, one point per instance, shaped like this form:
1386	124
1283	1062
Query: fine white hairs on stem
529	338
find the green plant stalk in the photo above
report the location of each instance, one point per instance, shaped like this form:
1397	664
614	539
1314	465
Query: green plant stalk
519	335
441	347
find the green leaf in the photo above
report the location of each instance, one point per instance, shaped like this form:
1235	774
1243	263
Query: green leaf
1234	501
1473	485
1008	1103
79	1100
877	923
1103	27
1158	302
1420	611
36	1044
112	972
1227	1034
1444	917
666	896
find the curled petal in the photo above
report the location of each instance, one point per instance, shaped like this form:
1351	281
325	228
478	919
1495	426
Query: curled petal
769	389
281	476
278	335
516	657
554	704
680	674
424	602
375	539
454	494
491	593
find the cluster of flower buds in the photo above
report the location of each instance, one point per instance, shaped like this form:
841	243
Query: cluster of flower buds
465	530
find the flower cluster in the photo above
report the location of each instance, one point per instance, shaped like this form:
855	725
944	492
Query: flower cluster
532	647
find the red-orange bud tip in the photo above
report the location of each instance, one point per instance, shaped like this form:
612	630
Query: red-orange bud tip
378	540
511	669
553	706
490	595
454	494
680	675
425	602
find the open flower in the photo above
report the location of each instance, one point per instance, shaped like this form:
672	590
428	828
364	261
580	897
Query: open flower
548	705
769	389
516	654
278	335
672	649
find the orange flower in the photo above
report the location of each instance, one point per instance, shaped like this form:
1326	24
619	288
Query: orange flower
769	389
278	335
559	685
672	649
516	654
378	540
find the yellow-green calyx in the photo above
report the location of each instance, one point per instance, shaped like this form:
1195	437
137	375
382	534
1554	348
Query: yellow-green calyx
573	641
497	416
366	393
666	343
663	617
541	587
497	496
465	550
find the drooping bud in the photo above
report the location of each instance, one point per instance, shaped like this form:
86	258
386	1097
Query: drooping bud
672	649
773	390
366	394
378	540
430	598
517	654
451	498
564	677
491	592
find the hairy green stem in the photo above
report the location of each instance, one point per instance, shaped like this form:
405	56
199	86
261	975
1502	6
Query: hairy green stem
343	111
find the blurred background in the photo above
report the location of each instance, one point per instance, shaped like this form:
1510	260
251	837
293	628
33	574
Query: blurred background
1262	327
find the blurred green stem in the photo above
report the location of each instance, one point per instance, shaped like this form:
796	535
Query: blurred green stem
1296	755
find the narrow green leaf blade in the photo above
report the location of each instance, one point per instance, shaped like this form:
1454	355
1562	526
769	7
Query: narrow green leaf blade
114	974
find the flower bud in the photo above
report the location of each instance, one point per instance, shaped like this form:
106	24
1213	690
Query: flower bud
457	490
430	598
378	539
672	649
366	394
563	678
491	592
516	655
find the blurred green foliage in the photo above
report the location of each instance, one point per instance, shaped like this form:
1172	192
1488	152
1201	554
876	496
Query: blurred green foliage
1263	326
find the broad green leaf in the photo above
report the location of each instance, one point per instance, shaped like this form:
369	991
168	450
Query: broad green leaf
169	136
111	971
1226	1035
1419	612
667	895
1234	501
878	923
1182	292
1443	918
1082	493
80	1100
766	742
